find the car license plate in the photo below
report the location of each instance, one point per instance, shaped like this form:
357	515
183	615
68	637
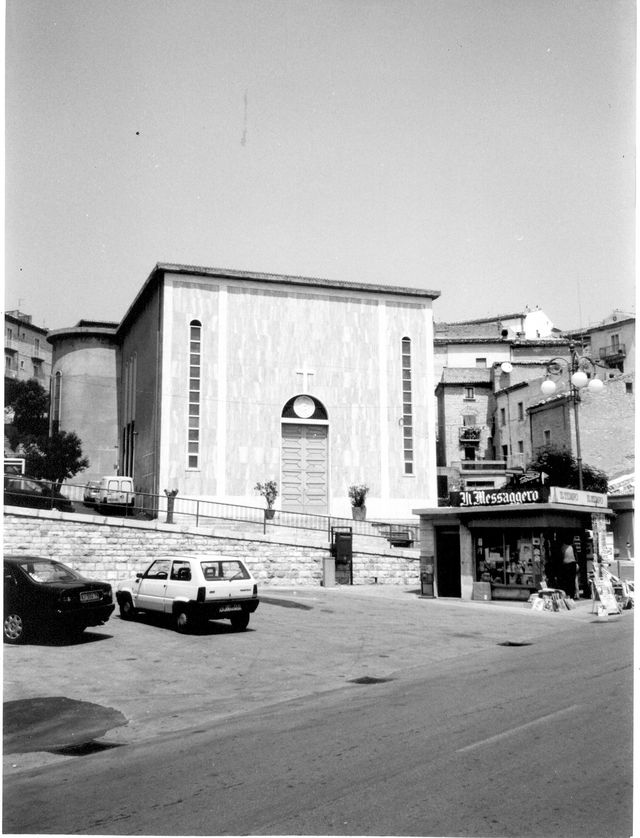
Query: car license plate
89	596
231	608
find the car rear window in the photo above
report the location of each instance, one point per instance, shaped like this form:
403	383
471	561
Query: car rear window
43	571
224	569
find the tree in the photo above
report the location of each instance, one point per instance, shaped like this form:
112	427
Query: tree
55	458
30	404
562	468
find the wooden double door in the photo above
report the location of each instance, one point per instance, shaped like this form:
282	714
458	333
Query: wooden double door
305	468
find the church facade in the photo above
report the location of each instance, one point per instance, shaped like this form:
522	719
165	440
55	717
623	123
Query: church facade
228	378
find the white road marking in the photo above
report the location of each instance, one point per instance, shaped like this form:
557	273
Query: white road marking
519	728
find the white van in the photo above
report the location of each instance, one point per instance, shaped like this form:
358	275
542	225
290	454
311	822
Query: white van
116	490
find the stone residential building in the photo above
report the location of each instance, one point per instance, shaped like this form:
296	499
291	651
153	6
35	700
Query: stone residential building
26	351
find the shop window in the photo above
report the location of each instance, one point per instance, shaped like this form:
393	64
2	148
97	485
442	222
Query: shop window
511	560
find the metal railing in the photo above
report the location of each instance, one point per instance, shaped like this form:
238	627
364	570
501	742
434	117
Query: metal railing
204	513
612	351
480	465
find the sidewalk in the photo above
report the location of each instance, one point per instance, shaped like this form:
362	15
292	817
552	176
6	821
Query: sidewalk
584	609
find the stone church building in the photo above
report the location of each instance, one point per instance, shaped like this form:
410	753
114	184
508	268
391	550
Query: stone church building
217	379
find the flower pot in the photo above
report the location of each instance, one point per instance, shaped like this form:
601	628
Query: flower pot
269	513
359	513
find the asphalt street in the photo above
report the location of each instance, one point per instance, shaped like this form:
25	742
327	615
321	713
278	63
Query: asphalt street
341	711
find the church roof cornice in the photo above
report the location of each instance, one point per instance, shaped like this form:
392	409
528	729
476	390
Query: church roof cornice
287	279
163	268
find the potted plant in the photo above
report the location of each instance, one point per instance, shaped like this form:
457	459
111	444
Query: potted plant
269	492
358	496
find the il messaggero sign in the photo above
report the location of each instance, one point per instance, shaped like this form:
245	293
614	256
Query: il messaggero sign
500	497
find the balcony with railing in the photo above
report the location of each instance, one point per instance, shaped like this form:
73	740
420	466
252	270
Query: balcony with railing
512	463
469	434
614	352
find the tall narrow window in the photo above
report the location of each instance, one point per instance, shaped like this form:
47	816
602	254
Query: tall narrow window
129	433
407	406
195	357
55	403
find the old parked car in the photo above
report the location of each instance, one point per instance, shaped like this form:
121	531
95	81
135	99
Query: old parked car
192	590
116	492
45	594
91	493
26	491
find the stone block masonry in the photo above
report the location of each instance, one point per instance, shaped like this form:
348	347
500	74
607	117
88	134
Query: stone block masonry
116	548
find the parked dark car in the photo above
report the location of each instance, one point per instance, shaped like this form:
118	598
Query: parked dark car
25	491
45	594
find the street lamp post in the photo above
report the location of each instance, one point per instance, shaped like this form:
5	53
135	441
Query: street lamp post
581	369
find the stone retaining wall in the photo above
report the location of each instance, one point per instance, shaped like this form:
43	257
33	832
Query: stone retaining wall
116	548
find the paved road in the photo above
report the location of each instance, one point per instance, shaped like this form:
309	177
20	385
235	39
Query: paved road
265	732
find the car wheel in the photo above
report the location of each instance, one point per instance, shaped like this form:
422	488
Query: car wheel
240	621
14	627
182	620
127	611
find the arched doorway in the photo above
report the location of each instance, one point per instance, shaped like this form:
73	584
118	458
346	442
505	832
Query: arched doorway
305	456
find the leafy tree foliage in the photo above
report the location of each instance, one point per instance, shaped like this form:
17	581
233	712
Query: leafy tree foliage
562	468
55	458
30	404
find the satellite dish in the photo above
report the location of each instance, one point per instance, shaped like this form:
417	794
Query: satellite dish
506	366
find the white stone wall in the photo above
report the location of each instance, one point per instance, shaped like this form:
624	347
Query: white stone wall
262	345
118	549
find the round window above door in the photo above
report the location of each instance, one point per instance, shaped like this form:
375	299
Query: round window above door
304	407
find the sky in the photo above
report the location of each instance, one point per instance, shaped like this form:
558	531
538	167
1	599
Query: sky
481	148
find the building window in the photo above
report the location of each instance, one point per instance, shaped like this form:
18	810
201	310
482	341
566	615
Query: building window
628	388
547	437
407	407
505	452
520	446
481	363
195	358
503	416
56	399
469	393
129	434
520	411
